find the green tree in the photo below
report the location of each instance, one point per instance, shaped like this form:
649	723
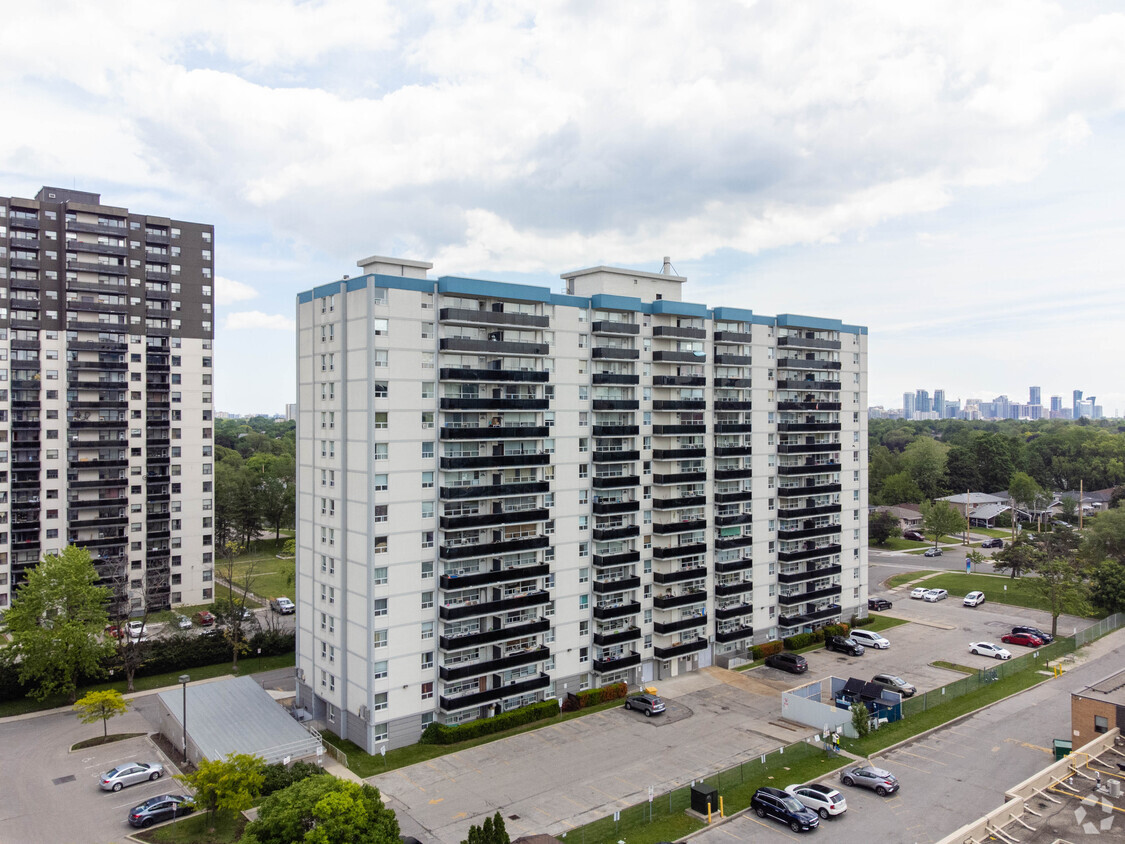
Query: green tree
882	526
1061	588
101	706
1107	586
231	784
924	460
861	719
275	487
492	831
1068	508
323	810
1024	490
900	488
940	519
56	624
993	453
1104	537
961	472
1020	557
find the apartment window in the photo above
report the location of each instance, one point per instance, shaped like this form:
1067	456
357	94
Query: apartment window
646	417
583	419
379	326
583	522
380	357
381	420
381	732
583	575
380	482
380	451
427	330
583	654
427	691
583	393
427	480
549	418
427	360
427	449
428	540
427	390
428	567
427	600
428	659
1101	724
427	509
379	669
380	545
380	513
379	576
583	496
380	389
583	549
427	419
379	639
583	470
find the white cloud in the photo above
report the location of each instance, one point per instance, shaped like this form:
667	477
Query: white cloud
241	320
228	291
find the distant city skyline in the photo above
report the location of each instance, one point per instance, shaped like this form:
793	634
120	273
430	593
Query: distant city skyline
918	405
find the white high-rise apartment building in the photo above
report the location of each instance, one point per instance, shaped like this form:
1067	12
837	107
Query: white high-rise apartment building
105	395
507	494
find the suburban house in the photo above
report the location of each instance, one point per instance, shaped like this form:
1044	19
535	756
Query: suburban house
909	515
981	508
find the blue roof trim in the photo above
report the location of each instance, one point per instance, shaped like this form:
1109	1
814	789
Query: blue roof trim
397	282
734	314
304	298
495	289
763	320
609	302
666	306
329	289
798	321
854	329
353	284
572	301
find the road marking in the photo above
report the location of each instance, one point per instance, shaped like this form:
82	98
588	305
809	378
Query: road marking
1030	746
545	814
460	816
912	767
919	756
436	800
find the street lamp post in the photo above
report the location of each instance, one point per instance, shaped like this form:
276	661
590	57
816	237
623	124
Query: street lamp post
184	678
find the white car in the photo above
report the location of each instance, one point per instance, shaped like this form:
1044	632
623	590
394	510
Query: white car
870	640
989	649
934	595
974	599
822	799
136	629
919	592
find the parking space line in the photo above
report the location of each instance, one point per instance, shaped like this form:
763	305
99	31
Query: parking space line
919	756
912	767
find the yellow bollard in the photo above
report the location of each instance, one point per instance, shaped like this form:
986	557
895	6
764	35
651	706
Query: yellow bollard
708	813
721	815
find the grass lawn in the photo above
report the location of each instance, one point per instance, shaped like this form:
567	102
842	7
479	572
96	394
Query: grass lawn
100	740
907	577
198	829
995	533
897	543
953	666
270	577
999	588
247	665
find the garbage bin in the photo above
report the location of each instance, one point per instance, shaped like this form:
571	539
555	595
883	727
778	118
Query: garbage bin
1062	748
703	794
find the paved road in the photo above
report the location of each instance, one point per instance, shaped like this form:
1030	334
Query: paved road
958	772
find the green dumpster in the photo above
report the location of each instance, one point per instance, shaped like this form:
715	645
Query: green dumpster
1062	748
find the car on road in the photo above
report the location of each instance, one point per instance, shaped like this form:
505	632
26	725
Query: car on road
793	663
870	639
1036	632
915	535
919	592
160	809
774	803
844	645
182	622
203	618
113	630
822	799
934	595
974	599
989	649
878	604
283	606
131	773
992	543
648	704
895	684
868	776
136	629
932	552
1025	639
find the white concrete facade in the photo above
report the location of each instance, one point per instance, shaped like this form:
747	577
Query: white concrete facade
507	494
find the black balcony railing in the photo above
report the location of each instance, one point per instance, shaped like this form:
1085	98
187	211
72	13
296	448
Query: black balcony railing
609	560
610	353
665	528
494	490
615	378
495	461
807	554
496	693
680	650
727	566
674	551
808	533
498	517
617	663
666	627
488	549
494	404
734	611
620	532
495	574
606	456
670	479
678	453
496	634
489	317
528	376
609	611
502	347
621	584
501	663
679	576
679	381
677	503
470	610
605	508
607	326
734	634
498	432
670	602
615	481
799	342
617	637
736	588
809	573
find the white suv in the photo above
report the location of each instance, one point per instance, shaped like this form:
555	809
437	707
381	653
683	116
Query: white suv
870	640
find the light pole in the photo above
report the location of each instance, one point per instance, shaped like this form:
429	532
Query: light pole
184	678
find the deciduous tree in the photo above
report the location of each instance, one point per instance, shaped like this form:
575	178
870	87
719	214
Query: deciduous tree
940	519
1020	557
1104	537
231	784
1107	586
101	706
324	810
924	460
882	526
1062	589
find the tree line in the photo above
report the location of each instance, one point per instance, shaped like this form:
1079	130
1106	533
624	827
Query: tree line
255	478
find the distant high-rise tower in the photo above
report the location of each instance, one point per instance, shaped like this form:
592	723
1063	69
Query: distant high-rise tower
939	403
907	405
922	401
1056	404
1036	396
1077	401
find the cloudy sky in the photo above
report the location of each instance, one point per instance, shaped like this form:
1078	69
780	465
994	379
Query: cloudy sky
949	174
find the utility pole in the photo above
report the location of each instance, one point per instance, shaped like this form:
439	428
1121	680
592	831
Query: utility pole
1081	484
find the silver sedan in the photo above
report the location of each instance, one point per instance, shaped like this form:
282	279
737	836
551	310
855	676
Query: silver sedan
131	773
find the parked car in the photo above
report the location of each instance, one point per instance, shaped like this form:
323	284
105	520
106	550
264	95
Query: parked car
113	630
775	803
895	684
919	592
870	639
932	552
822	799
203	618
868	776
844	644
136	629
989	649
648	704
878	604
159	809
1025	639
915	535
992	543
793	663
131	773
283	606
1036	632
935	595
183	622
974	599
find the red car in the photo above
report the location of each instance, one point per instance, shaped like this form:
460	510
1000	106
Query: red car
113	630
1025	639
204	618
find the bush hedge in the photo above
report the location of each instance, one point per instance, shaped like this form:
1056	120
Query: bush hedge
766	649
592	697
278	776
453	733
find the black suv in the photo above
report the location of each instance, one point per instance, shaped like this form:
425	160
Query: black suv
775	803
845	645
878	604
793	663
992	543
1035	631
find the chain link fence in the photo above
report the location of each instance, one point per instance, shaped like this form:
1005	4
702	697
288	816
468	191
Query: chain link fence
1096	631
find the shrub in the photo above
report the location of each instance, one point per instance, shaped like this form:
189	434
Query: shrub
278	776
592	697
835	630
453	733
766	649
863	622
801	640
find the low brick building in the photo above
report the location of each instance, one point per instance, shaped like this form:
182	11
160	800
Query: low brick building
1098	708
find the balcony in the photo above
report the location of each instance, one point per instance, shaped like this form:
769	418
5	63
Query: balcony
494	347
607	508
615	404
680	650
734	634
674	551
831	611
734	497
494	404
665	528
808	574
808	533
492	576
732	337
489	317
734	542
800	597
481	698
814	510
677	503
733	360
807	384
807	554
679	357
733	451
621	559
617	637
499	432
679	331
673	478
506	375
609	326
679	381
722	405
615	378
611	353
503	517
671	602
734	611
734	519
604	666
462	670
621	584
615	481
728	566
800	363
670	430
797	427
609	456
470	610
794	341
808	405
495	461
807	489
679	404
604	613
616	430
697	573
666	627
737	588
489	549
806	448
733	427
494	490
621	532
733	474
678	453
733	382
809	469
497	634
